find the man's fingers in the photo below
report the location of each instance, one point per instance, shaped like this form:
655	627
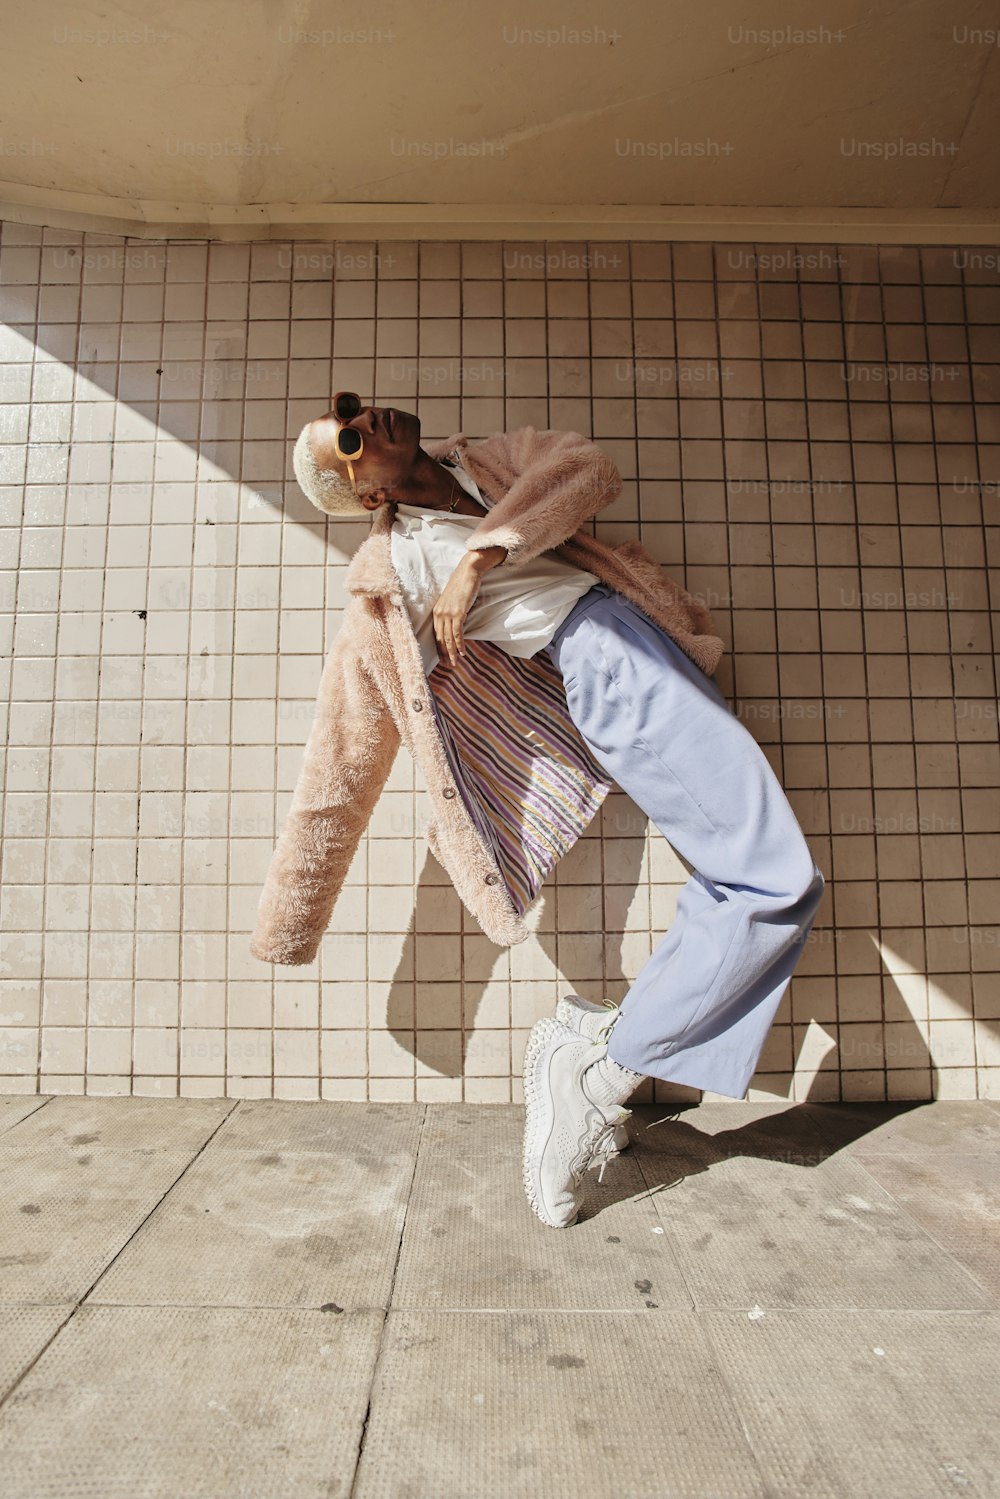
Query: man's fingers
450	637
451	641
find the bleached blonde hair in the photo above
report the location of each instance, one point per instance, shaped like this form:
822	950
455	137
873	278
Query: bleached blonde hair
328	489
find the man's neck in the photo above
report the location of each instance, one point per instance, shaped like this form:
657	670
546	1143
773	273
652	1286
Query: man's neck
431	485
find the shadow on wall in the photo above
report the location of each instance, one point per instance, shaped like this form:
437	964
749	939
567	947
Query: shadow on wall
452	1025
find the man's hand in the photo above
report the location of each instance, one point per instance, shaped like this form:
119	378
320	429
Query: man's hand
457	598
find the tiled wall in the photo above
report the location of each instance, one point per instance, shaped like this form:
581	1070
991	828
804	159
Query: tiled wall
810	439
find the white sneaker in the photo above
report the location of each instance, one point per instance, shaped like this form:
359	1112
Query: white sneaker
596	1022
565	1131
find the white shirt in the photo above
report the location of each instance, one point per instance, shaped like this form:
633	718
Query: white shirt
519	609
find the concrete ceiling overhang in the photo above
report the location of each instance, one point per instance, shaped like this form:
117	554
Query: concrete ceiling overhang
296	118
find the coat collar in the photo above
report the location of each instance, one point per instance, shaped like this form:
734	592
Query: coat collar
371	570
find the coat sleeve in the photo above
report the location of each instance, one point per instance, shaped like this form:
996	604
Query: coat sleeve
349	753
563	479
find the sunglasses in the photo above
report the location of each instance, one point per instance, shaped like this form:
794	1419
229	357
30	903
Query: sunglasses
348	442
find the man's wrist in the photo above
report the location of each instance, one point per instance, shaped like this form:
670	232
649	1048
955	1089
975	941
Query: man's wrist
481	559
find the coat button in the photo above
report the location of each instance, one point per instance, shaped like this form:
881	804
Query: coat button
492	879
448	791
417	704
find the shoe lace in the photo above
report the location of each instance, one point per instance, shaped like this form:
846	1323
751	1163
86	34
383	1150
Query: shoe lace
605	1031
603	1148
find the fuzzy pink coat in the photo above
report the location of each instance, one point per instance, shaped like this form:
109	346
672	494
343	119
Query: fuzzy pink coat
540	489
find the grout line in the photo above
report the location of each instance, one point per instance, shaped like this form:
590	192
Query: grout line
388	1307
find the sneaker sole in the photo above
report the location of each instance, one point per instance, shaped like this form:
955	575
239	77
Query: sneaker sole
539	1115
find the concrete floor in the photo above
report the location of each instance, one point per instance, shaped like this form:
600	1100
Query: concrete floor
287	1300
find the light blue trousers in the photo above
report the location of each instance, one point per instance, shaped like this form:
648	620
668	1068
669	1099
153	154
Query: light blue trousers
700	1009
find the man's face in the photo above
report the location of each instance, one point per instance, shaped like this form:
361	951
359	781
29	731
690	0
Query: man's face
392	439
